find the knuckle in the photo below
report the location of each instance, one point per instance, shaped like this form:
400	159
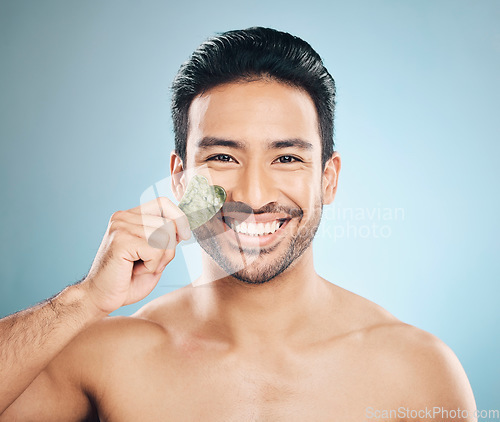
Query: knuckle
168	207
116	226
165	202
117	215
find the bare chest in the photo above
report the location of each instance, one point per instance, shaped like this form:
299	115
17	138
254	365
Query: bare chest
193	386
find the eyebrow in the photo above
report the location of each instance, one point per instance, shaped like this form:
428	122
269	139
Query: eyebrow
291	143
208	142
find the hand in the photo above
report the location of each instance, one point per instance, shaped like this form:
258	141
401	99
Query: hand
137	246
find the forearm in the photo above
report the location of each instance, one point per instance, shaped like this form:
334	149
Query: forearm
30	339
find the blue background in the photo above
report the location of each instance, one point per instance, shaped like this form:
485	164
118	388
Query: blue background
85	129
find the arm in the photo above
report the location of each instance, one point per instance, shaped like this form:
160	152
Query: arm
32	338
125	270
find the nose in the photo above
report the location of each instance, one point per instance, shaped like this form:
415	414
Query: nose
254	186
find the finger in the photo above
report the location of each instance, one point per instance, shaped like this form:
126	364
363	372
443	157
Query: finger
140	268
163	235
151	223
136	249
164	207
156	206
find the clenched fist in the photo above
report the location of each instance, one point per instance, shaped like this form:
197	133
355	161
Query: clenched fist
137	246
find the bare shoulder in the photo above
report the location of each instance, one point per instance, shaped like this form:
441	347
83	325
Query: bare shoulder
426	369
107	348
110	352
116	332
142	330
417	366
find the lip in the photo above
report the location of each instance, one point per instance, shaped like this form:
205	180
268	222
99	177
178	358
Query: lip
245	240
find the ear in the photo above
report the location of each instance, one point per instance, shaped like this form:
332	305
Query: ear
177	180
330	178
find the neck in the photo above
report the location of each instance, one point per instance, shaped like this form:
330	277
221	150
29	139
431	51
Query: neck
280	310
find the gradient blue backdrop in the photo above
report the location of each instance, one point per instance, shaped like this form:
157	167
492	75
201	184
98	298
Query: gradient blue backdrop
85	129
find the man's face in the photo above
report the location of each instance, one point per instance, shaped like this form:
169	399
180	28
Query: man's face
260	141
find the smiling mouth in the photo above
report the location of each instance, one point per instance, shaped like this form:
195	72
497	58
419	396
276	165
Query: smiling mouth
254	229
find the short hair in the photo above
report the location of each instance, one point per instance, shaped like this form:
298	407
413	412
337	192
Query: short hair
252	54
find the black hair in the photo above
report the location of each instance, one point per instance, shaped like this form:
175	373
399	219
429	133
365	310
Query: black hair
251	54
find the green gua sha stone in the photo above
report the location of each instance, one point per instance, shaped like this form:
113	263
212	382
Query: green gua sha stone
201	201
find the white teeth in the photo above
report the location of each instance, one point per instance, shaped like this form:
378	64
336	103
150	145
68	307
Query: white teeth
255	229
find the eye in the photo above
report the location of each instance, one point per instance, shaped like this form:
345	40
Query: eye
284	159
221	157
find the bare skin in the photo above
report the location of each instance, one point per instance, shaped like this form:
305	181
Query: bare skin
294	348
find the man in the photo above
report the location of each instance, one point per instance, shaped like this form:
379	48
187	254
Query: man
260	336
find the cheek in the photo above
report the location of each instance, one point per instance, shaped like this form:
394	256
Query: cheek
303	190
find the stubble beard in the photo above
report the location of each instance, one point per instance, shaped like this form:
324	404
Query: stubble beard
254	271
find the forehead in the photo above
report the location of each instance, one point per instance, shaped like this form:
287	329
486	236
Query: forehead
254	112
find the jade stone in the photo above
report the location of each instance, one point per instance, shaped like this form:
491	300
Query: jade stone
201	201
